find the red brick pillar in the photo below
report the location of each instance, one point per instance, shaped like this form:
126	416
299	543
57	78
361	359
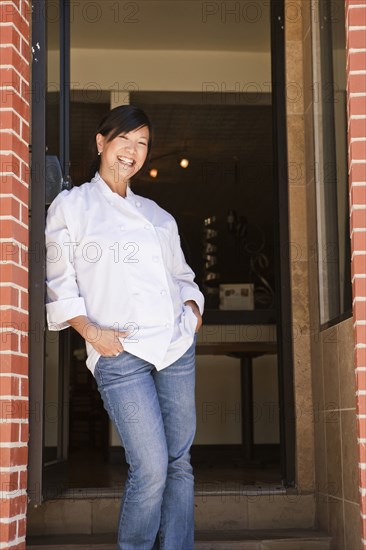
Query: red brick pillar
356	91
14	158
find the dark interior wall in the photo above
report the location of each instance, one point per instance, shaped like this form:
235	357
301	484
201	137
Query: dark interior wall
230	152
194	199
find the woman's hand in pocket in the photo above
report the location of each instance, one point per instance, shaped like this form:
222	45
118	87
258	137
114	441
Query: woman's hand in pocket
196	311
106	342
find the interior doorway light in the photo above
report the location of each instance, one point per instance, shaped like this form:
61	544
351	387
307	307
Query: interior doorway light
184	162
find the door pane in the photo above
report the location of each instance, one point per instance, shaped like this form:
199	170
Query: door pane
52	447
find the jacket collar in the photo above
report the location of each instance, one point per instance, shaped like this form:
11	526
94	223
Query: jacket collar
107	191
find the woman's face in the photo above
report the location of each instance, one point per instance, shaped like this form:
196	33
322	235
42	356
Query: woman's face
122	157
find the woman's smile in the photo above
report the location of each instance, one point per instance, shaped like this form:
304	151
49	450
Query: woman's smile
126	162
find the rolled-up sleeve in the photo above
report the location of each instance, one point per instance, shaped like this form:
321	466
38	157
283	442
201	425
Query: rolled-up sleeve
63	297
183	274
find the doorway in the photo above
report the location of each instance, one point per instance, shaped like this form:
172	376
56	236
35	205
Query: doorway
210	100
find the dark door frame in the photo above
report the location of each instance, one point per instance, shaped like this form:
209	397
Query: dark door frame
37	271
45	481
282	242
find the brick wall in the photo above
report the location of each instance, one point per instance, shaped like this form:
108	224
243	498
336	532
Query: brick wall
14	139
356	90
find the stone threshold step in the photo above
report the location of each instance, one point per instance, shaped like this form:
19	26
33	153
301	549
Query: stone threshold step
286	539
281	539
201	490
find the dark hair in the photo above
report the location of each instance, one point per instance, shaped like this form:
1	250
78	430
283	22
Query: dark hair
120	120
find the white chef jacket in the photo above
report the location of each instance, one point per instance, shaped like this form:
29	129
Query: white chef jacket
119	262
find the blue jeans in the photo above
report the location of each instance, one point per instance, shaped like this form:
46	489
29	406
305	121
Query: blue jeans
155	416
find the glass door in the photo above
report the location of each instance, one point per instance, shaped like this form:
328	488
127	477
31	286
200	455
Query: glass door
49	351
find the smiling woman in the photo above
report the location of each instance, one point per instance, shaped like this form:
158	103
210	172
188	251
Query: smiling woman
139	316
